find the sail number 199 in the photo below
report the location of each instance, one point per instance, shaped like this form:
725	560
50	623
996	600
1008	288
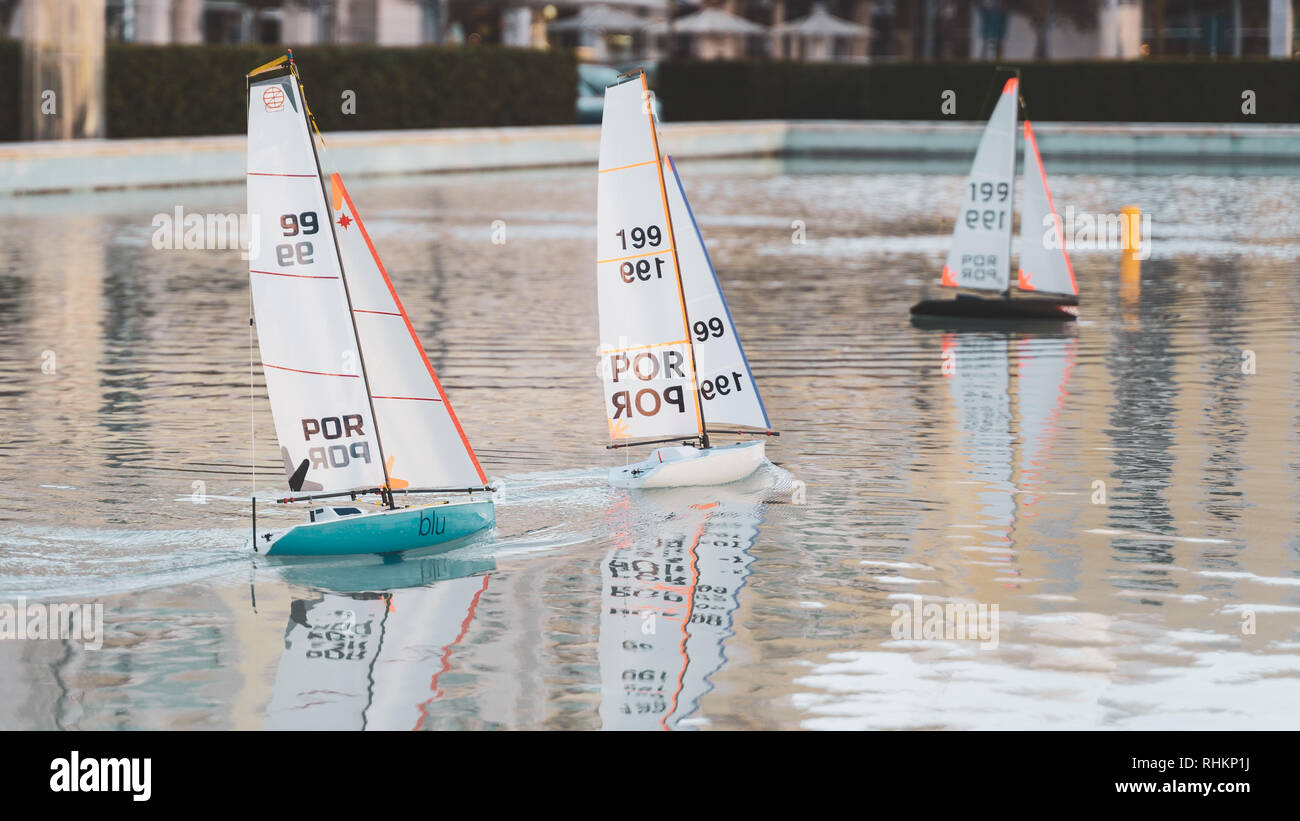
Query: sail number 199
640	237
642	269
720	385
987	218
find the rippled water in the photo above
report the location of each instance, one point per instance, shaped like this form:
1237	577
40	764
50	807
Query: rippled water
1172	602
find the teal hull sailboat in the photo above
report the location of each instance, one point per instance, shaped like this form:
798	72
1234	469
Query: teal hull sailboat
358	408
339	530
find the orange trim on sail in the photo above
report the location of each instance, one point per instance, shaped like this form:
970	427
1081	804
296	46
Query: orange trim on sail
948	280
622	167
642	347
1051	206
446	656
311	373
393	482
1011	85
637	256
686	621
672	242
1022	280
340	195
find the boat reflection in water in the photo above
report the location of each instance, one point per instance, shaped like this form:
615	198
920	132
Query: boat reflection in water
362	660
1008	391
670	591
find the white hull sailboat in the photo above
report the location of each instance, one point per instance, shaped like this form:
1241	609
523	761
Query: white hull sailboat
979	260
683	466
358	408
670	356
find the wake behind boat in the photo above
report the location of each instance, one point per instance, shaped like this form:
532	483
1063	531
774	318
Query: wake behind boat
669	351
358	408
980	256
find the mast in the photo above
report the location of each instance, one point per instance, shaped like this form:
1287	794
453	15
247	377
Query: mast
1011	196
677	270
386	493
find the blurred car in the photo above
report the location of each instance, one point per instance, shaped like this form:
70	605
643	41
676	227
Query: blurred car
592	81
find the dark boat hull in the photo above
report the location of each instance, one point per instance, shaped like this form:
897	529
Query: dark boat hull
1035	309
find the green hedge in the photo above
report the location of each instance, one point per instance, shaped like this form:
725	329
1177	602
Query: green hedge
167	91
1098	91
11	73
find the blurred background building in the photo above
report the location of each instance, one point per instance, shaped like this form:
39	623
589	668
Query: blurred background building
620	30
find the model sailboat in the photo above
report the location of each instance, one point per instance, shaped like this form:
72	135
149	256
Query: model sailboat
670	355
358	408
980	256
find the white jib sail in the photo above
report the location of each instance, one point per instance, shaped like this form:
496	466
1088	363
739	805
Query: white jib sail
309	351
1044	262
646	359
980	256
424	444
727	390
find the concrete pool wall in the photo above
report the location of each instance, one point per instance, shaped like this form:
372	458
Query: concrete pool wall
87	165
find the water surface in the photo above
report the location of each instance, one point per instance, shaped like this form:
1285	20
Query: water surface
128	463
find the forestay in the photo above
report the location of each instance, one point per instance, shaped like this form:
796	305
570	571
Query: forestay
1044	262
981	243
727	390
309	352
424	445
646	358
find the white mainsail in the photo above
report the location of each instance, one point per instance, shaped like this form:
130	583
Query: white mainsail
980	255
647	364
304	327
1044	263
979	379
1043	371
424	445
727	390
364	662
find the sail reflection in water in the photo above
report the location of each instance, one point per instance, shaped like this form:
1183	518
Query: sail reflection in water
372	660
1007	425
668	602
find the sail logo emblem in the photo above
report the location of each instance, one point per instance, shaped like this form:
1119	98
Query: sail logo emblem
273	98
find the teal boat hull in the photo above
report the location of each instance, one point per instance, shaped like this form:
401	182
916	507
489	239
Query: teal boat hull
391	531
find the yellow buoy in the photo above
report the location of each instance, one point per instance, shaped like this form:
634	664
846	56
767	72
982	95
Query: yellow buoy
1130	265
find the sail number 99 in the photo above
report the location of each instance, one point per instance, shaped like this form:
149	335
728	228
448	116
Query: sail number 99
289	223
714	328
640	237
300	253
720	385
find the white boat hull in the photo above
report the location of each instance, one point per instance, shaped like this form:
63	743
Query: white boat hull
687	466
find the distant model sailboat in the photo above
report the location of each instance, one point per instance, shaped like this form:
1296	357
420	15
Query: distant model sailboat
358	408
670	355
980	256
